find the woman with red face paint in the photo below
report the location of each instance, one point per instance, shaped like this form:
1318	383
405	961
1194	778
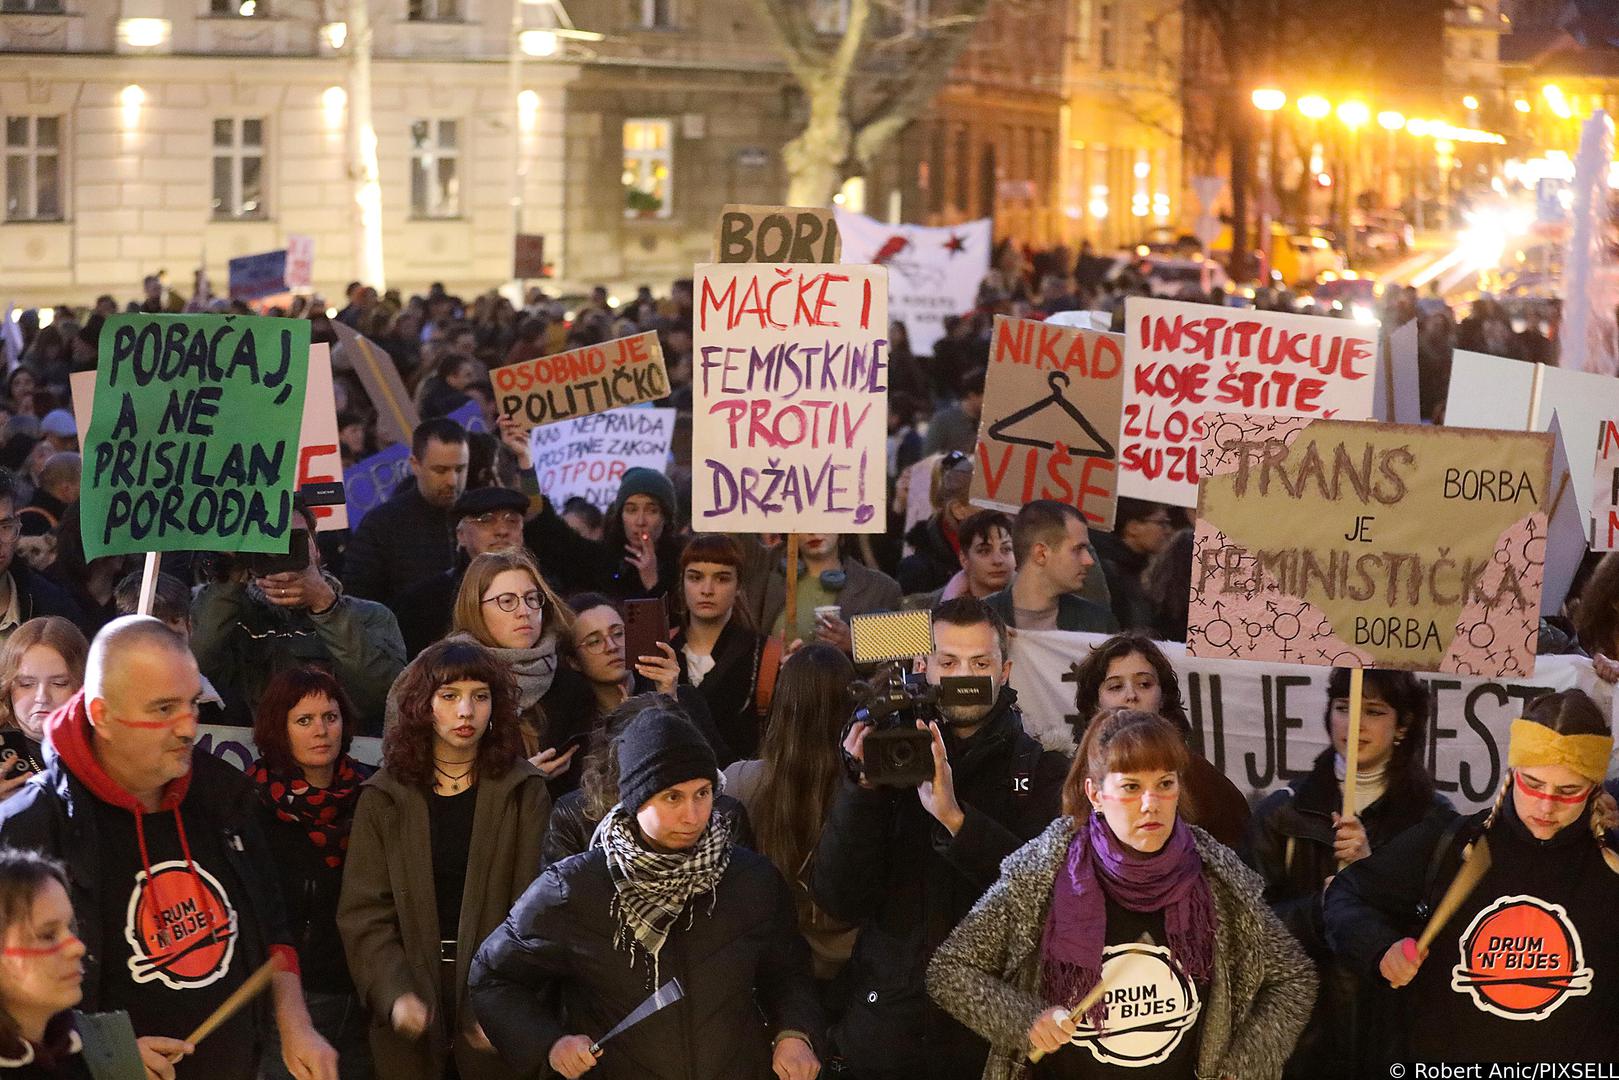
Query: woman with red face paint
1527	969
41	980
1202	980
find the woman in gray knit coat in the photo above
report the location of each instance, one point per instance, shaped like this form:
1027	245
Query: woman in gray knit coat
1201	978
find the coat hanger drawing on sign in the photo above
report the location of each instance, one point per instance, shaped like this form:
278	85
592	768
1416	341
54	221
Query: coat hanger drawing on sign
1057	380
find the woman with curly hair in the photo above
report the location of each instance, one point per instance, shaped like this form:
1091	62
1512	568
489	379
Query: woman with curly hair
1527	968
446	838
1130	671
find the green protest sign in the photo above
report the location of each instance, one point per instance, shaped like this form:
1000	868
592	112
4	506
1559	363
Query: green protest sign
193	442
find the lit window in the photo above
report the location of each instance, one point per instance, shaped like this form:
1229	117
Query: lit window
648	163
435	169
239	168
239	9
33	168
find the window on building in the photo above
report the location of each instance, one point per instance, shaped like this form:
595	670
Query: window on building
33	7
239	168
33	168
1082	30
829	16
1107	36
435	10
657	14
648	165
435	169
239	9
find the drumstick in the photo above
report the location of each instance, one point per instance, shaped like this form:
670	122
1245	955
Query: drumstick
1467	878
1077	1013
252	988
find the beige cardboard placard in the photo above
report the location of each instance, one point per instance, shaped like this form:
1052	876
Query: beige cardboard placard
583	381
777	234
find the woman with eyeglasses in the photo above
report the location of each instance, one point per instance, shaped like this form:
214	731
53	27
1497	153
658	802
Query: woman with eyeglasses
505	605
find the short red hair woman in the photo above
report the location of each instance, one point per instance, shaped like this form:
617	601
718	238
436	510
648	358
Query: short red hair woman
1527	969
1121	887
309	787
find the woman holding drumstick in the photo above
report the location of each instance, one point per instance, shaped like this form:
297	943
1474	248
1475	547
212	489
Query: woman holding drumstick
1199	977
1526	968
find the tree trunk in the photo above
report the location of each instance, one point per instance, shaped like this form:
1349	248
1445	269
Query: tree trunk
1241	172
362	149
815	158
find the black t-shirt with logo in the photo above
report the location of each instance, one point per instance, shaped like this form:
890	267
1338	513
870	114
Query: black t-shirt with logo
172	948
1528	968
1155	1018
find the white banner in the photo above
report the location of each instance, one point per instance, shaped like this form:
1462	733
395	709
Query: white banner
932	273
588	456
1261	724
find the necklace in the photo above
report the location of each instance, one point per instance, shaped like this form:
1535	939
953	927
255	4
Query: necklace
453	778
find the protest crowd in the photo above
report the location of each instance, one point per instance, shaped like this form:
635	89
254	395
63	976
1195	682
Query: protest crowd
521	764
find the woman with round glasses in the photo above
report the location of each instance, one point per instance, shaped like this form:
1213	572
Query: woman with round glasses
505	605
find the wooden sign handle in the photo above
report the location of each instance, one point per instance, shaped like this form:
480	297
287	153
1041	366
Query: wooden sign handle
790	613
232	1005
148	584
1357	686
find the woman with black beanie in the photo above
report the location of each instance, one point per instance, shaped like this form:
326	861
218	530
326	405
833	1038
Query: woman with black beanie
662	894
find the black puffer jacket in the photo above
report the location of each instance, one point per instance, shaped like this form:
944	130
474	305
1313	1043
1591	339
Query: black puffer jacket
933	562
1290	843
550	970
885	865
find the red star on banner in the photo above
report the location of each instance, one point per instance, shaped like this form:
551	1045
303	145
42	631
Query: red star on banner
956	244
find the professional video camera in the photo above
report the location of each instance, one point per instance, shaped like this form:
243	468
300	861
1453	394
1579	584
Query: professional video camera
897	753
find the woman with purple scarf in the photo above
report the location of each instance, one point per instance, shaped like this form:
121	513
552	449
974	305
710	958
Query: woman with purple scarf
1200	979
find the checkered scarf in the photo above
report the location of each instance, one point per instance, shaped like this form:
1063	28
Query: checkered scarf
651	888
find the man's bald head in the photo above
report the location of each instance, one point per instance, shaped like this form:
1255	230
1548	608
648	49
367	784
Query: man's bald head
117	641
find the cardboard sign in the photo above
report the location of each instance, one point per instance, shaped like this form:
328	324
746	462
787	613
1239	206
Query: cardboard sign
790	399
320	456
1398	399
933	273
528	256
396	410
253	277
1260	724
1511	395
193	438
1182	360
1050	426
591	379
777	234
1605	490
1566	531
368	483
1369	545
588	457
300	262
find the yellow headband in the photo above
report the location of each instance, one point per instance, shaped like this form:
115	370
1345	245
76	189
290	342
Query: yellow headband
1535	744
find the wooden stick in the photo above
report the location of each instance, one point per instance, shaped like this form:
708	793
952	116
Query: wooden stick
1534	396
1121	973
148	584
232	1005
1474	867
790	614
1357	688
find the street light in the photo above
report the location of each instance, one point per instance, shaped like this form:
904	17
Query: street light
1314	106
1389	120
1354	114
1521	105
1470	103
1269	99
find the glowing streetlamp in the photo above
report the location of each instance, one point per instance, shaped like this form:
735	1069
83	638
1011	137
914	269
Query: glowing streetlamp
1389	120
1269	99
1354	114
1314	106
1470	103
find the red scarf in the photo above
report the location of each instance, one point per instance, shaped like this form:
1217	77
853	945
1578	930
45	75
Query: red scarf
325	814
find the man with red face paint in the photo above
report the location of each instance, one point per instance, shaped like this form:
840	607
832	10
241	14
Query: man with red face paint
1528	967
166	860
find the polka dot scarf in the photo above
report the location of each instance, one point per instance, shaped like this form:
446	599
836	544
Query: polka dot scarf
325	814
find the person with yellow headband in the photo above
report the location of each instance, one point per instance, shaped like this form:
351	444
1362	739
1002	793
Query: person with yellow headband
1527	969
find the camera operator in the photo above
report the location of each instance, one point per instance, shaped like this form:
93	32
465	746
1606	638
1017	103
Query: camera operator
247	627
906	866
